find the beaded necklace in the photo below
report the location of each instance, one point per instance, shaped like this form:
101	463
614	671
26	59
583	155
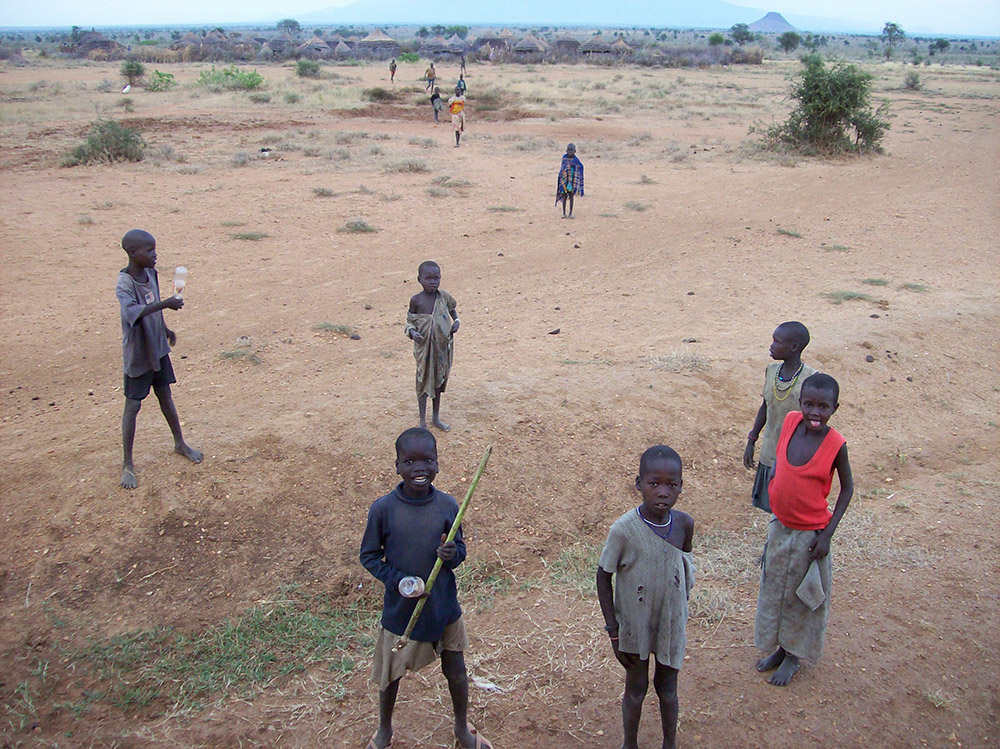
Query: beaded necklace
661	526
788	387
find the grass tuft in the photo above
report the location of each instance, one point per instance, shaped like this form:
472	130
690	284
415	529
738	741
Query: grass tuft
241	354
356	226
789	233
917	287
875	281
504	209
329	327
250	236
634	206
839	297
680	362
323	192
409	166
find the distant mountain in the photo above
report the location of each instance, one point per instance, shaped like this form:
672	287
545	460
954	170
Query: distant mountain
772	23
704	14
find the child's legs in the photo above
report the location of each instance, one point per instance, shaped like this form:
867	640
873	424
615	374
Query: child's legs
453	668
665	684
422	409
636	686
571	204
132	407
169	411
386	705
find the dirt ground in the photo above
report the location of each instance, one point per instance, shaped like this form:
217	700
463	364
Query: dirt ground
684	255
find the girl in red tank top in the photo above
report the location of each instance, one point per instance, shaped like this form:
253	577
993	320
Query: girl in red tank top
798	493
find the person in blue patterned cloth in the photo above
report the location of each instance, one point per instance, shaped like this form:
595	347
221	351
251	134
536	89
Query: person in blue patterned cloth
570	182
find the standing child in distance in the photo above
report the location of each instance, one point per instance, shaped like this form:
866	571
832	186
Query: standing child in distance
146	342
795	579
431	75
437	103
392	71
431	323
649	553
456	105
782	385
404	536
570	181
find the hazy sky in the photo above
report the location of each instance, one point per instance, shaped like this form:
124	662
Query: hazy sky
981	17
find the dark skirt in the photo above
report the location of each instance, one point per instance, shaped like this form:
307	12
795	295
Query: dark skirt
759	492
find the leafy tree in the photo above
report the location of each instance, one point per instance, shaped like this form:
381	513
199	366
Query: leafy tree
714	40
74	34
940	45
741	34
437	29
833	114
462	31
423	33
307	68
892	34
289	26
789	41
132	71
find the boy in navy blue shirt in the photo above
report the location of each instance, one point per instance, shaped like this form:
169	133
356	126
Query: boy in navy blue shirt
405	535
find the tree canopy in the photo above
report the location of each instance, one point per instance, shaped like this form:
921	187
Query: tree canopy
892	34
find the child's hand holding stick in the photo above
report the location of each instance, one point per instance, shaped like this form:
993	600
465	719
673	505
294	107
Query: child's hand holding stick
401	643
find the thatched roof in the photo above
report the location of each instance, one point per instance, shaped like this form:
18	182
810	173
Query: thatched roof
189	39
377	38
621	47
215	38
596	46
93	40
457	44
566	41
530	44
315	45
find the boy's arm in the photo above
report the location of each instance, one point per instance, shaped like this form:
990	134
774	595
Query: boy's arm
134	311
454	316
821	546
373	554
606	597
758	423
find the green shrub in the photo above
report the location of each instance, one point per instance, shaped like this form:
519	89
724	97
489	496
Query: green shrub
108	142
258	97
912	81
408	57
307	69
161	81
132	71
833	114
230	79
379	94
292	98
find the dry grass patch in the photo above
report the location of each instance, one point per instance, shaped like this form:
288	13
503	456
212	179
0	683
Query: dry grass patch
686	361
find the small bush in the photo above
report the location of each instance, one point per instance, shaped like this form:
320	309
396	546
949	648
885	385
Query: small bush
240	158
108	142
833	114
356	226
259	97
410	166
307	69
251	236
912	81
379	94
127	104
161	81
292	98
132	71
230	79
408	57
323	192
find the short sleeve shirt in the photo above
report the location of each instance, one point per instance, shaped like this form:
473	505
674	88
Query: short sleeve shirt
144	341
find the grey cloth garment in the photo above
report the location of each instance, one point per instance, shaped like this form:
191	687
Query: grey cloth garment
810	590
783	619
144	342
777	410
758	495
653	580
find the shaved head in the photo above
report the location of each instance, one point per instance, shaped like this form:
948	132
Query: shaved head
136	239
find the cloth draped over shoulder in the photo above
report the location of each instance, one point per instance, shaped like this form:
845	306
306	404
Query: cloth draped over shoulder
653	581
784	619
434	353
570	177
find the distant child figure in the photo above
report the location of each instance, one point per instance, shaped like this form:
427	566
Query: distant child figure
461	68
649	552
430	74
782	384
456	105
570	182
404	537
437	103
146	342
460	86
392	71
795	579
431	323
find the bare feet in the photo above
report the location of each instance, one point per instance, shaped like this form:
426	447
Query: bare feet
380	740
440	424
772	661
470	738
193	455
785	671
128	478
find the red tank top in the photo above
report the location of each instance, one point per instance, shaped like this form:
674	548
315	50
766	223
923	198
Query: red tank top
798	494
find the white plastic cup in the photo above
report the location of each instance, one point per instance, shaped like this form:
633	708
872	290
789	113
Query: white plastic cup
180	280
411	587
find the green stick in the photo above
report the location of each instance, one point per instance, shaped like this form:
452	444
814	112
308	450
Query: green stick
401	643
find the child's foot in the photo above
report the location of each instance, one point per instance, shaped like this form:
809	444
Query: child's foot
436	421
772	661
380	740
564	215
785	671
471	739
128	478
193	455
571	215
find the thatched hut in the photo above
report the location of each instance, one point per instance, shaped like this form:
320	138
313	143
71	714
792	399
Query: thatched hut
566	45
282	44
529	48
95	42
621	48
342	51
596	46
189	40
434	46
457	45
378	45
313	49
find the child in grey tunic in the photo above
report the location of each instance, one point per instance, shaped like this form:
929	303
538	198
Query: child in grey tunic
648	552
